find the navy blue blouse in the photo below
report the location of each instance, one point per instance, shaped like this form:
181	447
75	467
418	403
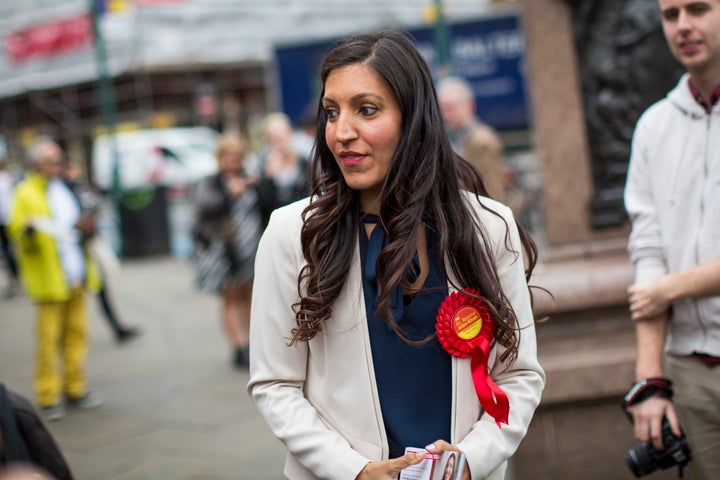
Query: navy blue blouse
414	383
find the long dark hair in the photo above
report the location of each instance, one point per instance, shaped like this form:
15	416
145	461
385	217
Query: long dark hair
423	188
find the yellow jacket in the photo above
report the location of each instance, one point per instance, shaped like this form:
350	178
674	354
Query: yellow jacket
38	257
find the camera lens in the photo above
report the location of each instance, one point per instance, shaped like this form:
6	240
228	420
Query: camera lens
640	460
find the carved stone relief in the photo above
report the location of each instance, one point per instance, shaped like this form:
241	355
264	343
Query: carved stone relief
625	66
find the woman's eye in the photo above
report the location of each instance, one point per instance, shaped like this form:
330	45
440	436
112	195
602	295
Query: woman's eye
330	113
368	110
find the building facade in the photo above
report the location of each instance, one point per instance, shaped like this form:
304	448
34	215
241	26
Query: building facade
169	62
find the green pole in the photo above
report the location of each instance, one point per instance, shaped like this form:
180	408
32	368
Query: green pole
107	108
442	40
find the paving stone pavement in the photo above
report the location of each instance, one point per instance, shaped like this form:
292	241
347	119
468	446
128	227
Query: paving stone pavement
174	406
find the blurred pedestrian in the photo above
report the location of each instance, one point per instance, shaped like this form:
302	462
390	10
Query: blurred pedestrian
47	226
304	138
90	200
226	234
284	169
27	449
7	185
673	200
474	140
366	293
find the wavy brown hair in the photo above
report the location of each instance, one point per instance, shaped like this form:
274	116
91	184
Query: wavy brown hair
423	188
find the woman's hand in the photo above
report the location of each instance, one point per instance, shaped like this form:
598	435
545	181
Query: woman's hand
389	469
440	446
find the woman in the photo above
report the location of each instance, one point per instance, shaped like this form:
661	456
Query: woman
226	235
7	186
90	201
346	367
283	179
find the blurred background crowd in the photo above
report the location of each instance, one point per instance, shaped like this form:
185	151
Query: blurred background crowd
186	122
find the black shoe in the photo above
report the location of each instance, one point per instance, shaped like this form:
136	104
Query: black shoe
127	334
241	359
53	413
89	401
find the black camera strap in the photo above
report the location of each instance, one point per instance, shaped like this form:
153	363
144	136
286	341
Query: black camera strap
646	388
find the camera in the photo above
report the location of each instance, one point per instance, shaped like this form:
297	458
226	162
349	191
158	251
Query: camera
643	459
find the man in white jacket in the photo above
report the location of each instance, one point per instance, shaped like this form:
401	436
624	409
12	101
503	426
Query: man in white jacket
673	199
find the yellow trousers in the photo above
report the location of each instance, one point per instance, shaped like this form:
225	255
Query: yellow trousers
62	342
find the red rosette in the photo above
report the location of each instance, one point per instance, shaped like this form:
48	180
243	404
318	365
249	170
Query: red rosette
465	328
446	333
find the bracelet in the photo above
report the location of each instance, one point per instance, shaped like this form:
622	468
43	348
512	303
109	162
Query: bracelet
646	388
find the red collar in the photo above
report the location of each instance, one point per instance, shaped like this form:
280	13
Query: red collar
707	105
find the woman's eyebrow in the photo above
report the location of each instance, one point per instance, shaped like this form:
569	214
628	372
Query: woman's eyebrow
356	97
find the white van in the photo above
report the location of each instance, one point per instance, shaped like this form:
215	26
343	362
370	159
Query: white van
170	157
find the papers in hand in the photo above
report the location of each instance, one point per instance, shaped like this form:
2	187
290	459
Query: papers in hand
59	232
445	466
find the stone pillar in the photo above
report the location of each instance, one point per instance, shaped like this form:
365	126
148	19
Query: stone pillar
559	123
587	346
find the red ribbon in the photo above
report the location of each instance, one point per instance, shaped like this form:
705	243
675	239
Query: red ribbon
465	328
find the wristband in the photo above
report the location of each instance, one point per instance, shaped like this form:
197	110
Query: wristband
646	388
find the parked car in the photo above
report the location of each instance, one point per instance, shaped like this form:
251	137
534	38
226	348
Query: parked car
167	157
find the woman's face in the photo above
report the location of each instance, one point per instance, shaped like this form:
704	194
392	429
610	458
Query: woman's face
230	161
449	468
363	129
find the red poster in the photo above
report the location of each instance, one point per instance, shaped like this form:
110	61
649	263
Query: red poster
49	39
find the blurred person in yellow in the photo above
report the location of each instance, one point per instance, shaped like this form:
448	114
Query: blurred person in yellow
472	139
48	230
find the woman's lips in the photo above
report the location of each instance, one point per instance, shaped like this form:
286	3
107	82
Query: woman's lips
351	158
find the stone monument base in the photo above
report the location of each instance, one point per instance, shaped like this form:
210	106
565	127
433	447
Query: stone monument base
587	347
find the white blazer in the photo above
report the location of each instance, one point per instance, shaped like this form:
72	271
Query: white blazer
320	397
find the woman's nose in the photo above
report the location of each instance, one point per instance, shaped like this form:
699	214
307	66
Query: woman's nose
344	128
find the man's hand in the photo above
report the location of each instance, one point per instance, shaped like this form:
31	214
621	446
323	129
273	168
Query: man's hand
647	420
650	299
86	225
389	469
